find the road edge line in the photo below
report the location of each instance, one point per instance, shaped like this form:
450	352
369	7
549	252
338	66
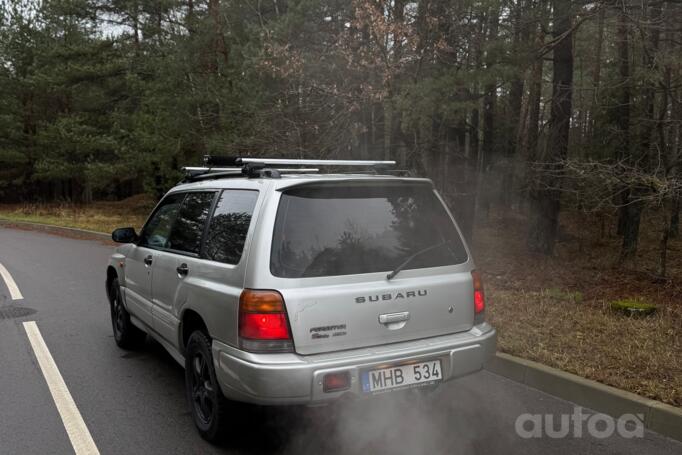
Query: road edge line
659	417
73	422
44	227
14	291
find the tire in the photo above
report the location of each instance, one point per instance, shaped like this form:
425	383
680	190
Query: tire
126	335
208	405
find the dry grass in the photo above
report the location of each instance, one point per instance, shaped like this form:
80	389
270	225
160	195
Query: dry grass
99	216
642	355
555	310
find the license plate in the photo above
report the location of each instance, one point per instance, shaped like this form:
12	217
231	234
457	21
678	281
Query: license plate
401	376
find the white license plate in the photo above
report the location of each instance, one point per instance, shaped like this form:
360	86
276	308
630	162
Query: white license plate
401	376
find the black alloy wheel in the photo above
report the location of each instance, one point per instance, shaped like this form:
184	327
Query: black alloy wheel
126	335
203	393
207	403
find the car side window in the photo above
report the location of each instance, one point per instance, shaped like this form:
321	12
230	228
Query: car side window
229	226
190	222
157	230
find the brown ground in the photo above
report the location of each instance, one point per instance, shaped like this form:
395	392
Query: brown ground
555	310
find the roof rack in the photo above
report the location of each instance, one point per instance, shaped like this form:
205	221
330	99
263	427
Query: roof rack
224	167
193	174
288	162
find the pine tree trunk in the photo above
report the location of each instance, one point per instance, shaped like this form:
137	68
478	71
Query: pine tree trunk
521	35
596	75
634	205
632	216
489	102
546	196
675	218
189	17
676	149
220	48
473	149
622	110
534	110
663	245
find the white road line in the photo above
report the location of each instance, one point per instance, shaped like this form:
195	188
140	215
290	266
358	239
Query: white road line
73	422
14	291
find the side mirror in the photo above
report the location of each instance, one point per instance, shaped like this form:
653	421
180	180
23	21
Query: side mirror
124	235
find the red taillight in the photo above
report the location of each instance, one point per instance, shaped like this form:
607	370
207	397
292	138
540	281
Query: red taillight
479	294
263	317
257	326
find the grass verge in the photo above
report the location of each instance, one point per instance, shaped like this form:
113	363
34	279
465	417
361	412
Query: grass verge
642	355
99	216
556	310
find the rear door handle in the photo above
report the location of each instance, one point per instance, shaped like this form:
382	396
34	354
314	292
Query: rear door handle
148	260
391	318
182	269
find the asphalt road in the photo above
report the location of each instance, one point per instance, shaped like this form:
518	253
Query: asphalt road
133	402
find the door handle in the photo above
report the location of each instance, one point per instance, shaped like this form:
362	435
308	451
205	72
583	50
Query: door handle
182	269
148	260
391	318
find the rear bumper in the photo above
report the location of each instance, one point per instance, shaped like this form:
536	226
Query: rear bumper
272	379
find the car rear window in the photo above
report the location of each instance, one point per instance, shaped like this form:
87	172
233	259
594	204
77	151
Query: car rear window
329	230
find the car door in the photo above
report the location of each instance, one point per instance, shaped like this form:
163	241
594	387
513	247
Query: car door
140	262
178	261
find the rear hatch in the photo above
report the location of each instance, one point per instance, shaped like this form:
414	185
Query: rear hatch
337	243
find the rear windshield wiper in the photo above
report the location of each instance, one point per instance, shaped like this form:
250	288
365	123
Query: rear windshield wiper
418	253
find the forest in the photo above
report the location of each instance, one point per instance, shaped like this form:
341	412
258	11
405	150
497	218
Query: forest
534	107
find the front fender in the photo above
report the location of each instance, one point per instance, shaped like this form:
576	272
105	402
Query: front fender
117	262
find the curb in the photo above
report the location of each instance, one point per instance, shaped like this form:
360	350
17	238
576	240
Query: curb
658	417
53	229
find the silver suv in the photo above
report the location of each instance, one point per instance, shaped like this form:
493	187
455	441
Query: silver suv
273	284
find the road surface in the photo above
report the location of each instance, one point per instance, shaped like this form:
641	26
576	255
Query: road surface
133	402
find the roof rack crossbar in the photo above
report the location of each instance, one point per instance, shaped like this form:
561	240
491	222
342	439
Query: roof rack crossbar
306	162
239	170
208	168
212	176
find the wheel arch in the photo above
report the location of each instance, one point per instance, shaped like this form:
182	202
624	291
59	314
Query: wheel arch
111	275
115	269
191	321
